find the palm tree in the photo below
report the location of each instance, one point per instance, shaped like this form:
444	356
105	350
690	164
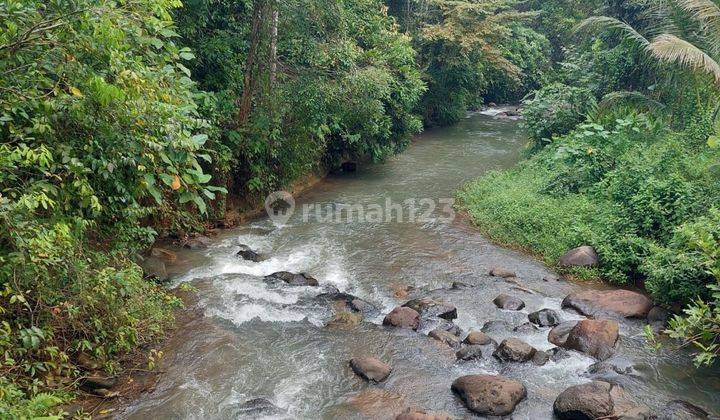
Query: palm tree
700	52
681	32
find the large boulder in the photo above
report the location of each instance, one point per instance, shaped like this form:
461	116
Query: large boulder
540	358
584	256
478	338
514	350
154	268
508	302
597	400
249	254
489	395
370	368
595	337
559	334
544	318
658	318
428	308
403	317
445	337
623	303
291	279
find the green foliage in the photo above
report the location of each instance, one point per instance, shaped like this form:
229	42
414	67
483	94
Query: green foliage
700	325
623	189
556	109
347	87
99	135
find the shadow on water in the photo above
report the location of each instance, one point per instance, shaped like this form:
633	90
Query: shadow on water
260	340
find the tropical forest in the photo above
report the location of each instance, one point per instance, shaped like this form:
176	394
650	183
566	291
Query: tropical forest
359	209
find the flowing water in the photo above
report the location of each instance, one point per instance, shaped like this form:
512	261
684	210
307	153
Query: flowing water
259	340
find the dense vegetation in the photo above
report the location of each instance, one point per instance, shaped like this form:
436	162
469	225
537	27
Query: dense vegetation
124	121
625	158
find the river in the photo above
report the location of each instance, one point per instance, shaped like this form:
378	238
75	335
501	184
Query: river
259	340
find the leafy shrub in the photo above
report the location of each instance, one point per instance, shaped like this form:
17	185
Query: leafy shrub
555	110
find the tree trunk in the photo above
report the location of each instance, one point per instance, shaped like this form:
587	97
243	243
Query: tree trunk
250	81
273	45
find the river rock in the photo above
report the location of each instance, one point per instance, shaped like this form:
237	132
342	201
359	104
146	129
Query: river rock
597	338
623	303
609	368
256	408
163	254
508	302
683	410
92	383
559	334
428	307
514	350
596	400
458	285
489	395
445	337
370	368
658	318
155	269
292	279
540	358
502	272
248	254
351	302
445	325
478	338
545	318
417	414
584	256
197	242
345	321
403	317
470	352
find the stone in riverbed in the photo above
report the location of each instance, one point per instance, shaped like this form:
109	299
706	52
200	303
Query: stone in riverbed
584	256
370	369
540	358
596	400
403	317
351	302
514	350
95	382
502	272
545	318
428	308
470	352
559	334
489	395
508	302
496	326
445	337
597	338
154	268
526	328
248	254
478	338
658	318
292	279
623	303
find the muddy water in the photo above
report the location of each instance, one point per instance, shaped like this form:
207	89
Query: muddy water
270	341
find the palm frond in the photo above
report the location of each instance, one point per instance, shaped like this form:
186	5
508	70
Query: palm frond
634	98
611	26
704	11
675	50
